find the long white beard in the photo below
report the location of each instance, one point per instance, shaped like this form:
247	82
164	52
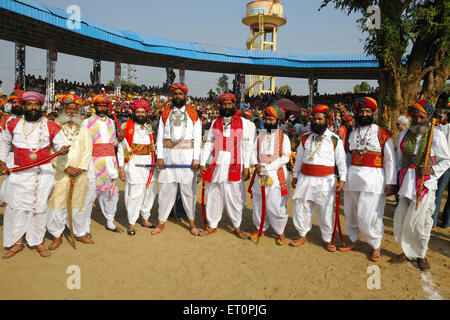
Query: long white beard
65	118
419	128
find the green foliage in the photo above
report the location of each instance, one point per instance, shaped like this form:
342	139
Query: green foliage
122	83
283	89
222	84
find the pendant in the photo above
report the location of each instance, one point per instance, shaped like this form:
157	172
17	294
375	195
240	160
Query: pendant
33	156
311	158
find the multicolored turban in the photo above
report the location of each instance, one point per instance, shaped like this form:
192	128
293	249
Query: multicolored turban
227	97
180	86
70	98
366	102
140	104
31	96
424	106
15	94
101	98
248	113
347	117
323	108
275	112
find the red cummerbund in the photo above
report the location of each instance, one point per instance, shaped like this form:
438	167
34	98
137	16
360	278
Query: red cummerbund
371	159
141	149
103	150
316	170
22	156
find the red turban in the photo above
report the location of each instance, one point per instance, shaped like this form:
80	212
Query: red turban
227	97
30	95
180	86
366	102
248	113
101	98
140	104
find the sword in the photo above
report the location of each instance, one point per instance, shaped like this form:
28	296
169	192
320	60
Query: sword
32	165
427	155
69	210
263	215
337	224
165	166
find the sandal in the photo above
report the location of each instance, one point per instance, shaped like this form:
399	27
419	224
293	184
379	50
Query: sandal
330	247
149	225
42	251
375	258
16	248
207	232
195	232
281	241
298	242
131	232
158	229
254	235
356	247
241	235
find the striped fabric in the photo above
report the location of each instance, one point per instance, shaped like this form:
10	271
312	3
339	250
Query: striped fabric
101	180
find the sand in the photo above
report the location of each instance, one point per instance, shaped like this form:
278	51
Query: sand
177	265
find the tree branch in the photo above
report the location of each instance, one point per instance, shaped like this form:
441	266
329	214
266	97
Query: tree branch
428	69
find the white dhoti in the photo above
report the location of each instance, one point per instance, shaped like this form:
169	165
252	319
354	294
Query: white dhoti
57	221
108	203
364	215
412	228
139	200
18	222
167	197
226	195
276	213
304	214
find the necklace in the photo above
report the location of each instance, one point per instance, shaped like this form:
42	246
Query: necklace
362	143
317	145
33	155
70	133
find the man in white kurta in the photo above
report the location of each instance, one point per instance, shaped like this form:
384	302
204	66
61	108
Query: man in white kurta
31	138
412	228
178	143
103	171
370	178
72	166
314	178
270	156
228	158
138	149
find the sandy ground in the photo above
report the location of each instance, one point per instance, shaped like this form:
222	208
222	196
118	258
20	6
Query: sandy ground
177	265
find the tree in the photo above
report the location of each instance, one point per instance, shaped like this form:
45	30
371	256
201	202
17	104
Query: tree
122	83
283	89
364	87
222	84
412	48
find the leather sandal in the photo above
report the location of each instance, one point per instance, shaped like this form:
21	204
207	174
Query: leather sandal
42	251
55	244
281	241
147	224
298	242
160	228
85	239
195	232
16	248
330	247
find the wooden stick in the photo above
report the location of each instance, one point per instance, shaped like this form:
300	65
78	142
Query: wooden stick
427	155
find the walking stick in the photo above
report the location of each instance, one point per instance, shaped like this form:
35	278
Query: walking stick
263	214
337	224
427	155
69	210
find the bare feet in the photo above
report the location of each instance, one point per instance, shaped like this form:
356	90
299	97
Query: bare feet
376	255
195	231
147	224
240	234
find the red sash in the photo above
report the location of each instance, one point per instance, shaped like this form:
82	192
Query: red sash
103	150
231	144
316	170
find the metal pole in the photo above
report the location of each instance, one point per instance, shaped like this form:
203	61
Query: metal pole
117	77
50	79
20	65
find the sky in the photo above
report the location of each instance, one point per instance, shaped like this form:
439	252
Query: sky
210	22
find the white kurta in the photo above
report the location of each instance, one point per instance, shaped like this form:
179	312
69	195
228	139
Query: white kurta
276	212
178	156
138	199
412	228
364	197
28	190
221	193
317	192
